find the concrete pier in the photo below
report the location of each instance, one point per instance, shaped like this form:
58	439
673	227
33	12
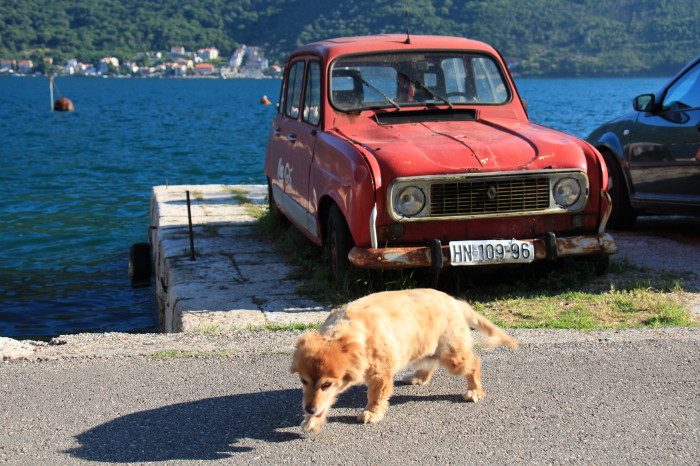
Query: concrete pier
237	280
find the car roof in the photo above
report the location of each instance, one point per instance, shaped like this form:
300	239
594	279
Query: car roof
330	48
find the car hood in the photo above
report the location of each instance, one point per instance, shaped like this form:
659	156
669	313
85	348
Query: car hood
433	148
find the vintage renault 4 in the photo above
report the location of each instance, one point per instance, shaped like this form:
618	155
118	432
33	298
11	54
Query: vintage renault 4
393	152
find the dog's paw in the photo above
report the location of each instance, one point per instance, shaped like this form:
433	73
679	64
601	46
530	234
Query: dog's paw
369	417
312	424
473	395
413	379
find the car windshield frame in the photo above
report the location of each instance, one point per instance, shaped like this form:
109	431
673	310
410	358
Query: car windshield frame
416	78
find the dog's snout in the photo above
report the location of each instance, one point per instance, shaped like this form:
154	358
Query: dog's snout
310	409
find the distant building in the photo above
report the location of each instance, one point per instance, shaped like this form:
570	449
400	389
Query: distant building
152	56
132	67
177	51
72	66
247	62
205	69
208	54
104	65
25	66
7	66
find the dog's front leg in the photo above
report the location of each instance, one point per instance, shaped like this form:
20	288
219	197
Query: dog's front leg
379	391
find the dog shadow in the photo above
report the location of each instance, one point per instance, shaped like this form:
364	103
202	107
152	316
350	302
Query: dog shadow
356	398
207	429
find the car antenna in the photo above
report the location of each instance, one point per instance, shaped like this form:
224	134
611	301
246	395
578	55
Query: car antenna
408	34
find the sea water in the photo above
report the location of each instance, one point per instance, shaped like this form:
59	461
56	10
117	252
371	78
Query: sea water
76	186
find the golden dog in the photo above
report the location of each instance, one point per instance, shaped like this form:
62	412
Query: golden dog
371	339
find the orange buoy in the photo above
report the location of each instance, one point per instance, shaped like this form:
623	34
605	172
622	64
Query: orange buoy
265	100
63	105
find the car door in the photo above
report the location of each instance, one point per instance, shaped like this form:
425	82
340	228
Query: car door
295	130
663	148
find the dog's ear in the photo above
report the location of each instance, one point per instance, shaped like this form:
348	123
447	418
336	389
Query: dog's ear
355	368
301	341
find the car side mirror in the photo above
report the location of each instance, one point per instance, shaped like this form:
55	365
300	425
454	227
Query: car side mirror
644	103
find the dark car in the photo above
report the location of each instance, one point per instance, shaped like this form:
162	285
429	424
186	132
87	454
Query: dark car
653	153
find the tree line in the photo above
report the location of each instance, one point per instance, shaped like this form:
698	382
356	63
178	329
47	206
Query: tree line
538	37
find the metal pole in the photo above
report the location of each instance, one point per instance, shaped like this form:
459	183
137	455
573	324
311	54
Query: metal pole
189	219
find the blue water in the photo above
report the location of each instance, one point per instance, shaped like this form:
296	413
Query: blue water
76	186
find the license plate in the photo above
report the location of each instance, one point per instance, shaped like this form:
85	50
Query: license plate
491	252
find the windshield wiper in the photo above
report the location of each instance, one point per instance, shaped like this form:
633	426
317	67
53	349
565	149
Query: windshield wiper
386	97
424	88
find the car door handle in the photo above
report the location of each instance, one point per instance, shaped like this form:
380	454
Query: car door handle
291	137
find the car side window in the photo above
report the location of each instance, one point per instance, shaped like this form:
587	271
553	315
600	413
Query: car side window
295	80
685	93
312	95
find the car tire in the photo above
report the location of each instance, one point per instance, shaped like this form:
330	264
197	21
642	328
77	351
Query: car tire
623	215
140	262
338	243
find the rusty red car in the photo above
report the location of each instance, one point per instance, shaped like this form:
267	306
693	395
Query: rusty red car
393	152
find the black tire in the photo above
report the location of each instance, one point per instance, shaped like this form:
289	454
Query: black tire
623	215
140	262
338	243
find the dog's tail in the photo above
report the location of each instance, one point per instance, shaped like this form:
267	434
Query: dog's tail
496	336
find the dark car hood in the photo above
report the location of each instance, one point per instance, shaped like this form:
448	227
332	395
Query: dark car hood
465	147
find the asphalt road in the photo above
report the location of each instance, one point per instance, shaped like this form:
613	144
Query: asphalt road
611	398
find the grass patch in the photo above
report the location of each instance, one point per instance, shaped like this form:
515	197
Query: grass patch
588	311
172	354
280	327
565	294
207	329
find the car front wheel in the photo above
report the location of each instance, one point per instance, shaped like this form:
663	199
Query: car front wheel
623	215
338	243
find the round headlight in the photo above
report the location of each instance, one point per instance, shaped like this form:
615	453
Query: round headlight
566	192
410	201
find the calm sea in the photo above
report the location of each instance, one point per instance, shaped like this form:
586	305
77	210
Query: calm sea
76	186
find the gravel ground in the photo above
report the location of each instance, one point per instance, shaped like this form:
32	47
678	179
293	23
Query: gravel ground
627	397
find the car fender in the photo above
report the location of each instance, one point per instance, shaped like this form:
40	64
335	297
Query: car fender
341	174
610	141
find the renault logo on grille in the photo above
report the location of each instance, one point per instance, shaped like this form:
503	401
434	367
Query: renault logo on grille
491	193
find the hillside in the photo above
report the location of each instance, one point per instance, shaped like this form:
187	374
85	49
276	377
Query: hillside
540	37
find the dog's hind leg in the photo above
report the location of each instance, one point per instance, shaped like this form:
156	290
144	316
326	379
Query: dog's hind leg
425	369
379	390
462	361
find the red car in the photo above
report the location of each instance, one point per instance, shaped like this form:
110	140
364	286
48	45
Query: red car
393	151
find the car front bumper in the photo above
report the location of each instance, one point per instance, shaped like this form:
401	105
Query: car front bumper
437	255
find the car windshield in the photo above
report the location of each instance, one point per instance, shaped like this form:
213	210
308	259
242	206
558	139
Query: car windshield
410	79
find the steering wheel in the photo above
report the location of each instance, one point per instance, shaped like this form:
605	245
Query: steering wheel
461	94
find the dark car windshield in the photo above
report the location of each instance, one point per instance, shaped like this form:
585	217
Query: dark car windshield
409	79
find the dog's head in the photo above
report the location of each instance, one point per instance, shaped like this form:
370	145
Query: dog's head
326	367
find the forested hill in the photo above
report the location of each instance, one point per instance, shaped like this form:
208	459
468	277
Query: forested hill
540	37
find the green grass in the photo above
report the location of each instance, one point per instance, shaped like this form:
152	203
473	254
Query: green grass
172	354
280	327
565	295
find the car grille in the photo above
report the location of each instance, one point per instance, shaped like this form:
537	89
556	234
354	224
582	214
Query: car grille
486	197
